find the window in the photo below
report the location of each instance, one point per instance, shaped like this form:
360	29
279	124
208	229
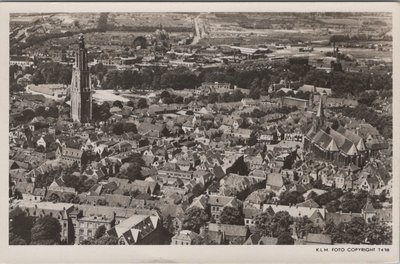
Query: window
65	224
81	224
81	231
89	233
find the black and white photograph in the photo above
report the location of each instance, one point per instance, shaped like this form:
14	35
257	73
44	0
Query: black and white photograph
200	128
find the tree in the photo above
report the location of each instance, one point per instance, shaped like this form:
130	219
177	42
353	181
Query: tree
54	198
142	103
46	231
253	139
37	78
69	198
165	94
179	79
263	224
367	98
354	203
197	190
304	226
333	206
117	104
101	112
130	104
291	198
106	240
255	89
131	171
194	219
20	229
40	149
281	222
40	110
14	240
100	231
168	225
231	216
118	128
378	233
28	115
285	239
352	232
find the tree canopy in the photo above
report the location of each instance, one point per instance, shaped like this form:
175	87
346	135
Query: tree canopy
231	216
194	219
46	231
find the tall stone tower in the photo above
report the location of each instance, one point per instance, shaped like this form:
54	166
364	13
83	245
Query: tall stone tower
81	93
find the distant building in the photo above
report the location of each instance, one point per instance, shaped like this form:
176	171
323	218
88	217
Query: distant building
184	237
292	101
57	90
21	61
212	86
315	90
59	211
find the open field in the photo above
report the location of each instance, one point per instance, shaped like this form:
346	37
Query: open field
108	96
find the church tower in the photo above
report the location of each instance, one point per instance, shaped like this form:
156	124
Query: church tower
81	93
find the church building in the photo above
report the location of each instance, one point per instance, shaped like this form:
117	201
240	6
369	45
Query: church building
339	145
81	92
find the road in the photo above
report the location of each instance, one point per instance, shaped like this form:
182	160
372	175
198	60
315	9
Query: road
199	28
